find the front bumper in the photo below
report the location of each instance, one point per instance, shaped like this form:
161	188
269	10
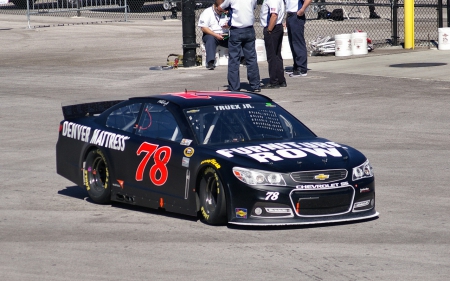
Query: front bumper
302	207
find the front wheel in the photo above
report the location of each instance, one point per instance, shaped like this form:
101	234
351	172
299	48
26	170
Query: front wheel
96	177
212	198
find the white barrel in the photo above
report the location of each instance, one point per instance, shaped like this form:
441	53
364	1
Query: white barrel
260	50
444	38
359	43
223	55
343	45
203	50
286	49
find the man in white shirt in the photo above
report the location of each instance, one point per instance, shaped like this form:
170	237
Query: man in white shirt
242	37
295	22
214	25
272	15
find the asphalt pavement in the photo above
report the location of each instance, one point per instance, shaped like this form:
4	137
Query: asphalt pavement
392	104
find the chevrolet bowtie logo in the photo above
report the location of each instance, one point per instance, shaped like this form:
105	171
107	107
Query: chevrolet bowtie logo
321	177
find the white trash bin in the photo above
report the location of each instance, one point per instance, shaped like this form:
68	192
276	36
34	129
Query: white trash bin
343	45
444	38
359	43
260	50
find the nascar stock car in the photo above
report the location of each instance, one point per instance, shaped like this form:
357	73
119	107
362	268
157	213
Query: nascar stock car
228	157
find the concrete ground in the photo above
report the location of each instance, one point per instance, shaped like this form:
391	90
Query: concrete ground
397	116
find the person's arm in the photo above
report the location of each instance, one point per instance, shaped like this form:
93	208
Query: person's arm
207	30
272	22
302	10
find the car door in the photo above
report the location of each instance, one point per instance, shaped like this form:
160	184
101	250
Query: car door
156	163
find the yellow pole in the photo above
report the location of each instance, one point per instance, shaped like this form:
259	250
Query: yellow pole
409	24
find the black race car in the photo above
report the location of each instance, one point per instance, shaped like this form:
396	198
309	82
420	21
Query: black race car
226	156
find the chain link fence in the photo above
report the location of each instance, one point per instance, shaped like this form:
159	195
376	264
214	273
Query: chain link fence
386	29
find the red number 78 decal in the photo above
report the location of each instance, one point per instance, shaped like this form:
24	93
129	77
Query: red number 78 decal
161	156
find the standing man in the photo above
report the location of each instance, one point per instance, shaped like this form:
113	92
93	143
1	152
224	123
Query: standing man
295	22
272	15
242	36
215	31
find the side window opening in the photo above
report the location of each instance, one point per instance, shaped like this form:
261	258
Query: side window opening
158	122
124	118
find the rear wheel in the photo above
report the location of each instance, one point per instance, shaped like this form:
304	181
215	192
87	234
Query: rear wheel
212	198
96	177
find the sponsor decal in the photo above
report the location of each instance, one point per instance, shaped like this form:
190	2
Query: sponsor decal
320	186
285	150
200	95
241	213
186	142
99	137
109	140
163	102
271	195
188	151
185	162
204	214
364	190
76	131
158	171
212	162
120	183
233	106
321	177
85	178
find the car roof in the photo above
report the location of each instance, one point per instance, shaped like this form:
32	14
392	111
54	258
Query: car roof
189	99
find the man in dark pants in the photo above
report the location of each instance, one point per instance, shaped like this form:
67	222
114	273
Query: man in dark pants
215	31
272	14
242	36
295	22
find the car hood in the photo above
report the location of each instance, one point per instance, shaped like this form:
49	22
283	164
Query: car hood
289	156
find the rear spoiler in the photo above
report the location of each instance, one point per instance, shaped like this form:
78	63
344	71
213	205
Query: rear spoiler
71	111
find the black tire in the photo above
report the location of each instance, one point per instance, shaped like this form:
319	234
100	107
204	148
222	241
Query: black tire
96	177
213	205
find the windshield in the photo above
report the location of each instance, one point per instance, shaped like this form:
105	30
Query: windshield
220	124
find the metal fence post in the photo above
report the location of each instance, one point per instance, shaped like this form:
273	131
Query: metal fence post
125	11
448	13
394	11
28	14
439	11
188	24
79	3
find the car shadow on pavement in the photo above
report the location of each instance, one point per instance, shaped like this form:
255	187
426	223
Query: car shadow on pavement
75	192
80	193
290	227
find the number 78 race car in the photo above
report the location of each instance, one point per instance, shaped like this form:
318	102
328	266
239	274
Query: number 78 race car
228	157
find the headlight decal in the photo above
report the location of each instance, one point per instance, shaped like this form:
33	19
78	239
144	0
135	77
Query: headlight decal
258	177
362	171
